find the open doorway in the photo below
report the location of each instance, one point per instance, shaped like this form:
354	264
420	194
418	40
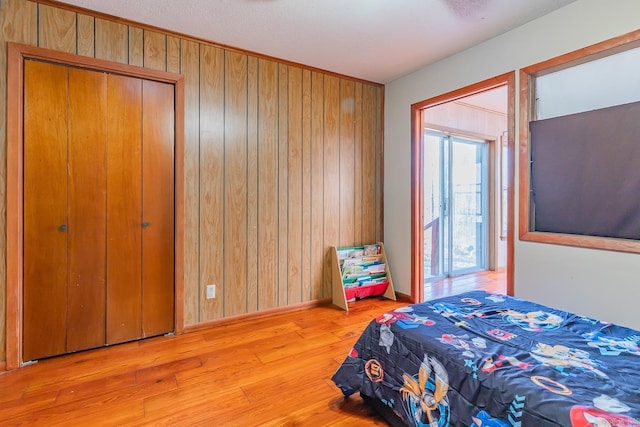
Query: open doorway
462	184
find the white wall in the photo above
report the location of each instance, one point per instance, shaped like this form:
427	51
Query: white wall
596	283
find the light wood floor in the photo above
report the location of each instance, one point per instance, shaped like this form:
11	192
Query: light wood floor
272	371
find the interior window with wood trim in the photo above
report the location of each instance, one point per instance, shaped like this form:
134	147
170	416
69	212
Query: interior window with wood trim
580	147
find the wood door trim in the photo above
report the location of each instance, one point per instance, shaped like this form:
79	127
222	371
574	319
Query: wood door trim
16	55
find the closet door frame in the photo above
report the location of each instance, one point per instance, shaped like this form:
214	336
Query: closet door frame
16	55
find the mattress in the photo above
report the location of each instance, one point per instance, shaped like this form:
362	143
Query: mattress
482	359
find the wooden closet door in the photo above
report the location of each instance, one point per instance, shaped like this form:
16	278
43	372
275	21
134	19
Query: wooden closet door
87	209
45	210
158	130
124	209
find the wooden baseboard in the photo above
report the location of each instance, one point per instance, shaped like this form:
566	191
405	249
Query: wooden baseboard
256	315
404	297
3	367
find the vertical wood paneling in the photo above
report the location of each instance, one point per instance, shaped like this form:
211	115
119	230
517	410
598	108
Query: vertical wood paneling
155	50
369	172
173	54
283	183
377	137
306	186
294	177
310	170
56	29
112	41
252	185
332	185
357	167
85	39
18	23
235	188
267	184
319	290
190	67
211	180
136	46
347	162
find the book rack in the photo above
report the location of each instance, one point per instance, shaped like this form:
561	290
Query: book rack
358	272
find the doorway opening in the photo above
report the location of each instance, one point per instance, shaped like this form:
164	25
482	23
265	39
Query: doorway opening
462	184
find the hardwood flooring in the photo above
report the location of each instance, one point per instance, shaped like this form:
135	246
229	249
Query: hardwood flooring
270	371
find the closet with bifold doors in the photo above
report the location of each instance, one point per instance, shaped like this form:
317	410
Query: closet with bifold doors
98	209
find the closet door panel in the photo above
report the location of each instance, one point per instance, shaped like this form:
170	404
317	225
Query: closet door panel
124	209
157	208
87	209
45	210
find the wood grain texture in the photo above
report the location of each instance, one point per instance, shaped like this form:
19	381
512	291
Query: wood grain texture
317	255
190	69
267	184
252	184
86	205
18	23
45	210
158	238
136	46
112	41
379	170
332	182
347	162
85	38
275	257
357	166
56	29
155	50
283	184
211	179
124	210
234	290
369	171
307	285
295	195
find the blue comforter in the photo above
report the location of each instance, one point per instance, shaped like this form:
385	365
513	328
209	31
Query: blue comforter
481	359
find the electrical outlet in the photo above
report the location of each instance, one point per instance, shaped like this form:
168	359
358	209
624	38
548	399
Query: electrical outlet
211	291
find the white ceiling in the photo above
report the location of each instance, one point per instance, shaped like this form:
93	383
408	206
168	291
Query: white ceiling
374	40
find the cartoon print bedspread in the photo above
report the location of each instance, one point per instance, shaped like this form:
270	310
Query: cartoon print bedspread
480	359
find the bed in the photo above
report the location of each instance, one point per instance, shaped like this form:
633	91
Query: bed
482	359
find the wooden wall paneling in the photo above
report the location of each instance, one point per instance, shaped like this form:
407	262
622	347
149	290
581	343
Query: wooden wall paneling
45	210
283	183
379	171
190	69
235	185
267	184
369	172
306	186
85	37
347	162
112	41
319	290
18	23
158	208
124	209
332	184
173	54
87	203
252	184
56	29
211	179
357	169
294	177
136	46
155	50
